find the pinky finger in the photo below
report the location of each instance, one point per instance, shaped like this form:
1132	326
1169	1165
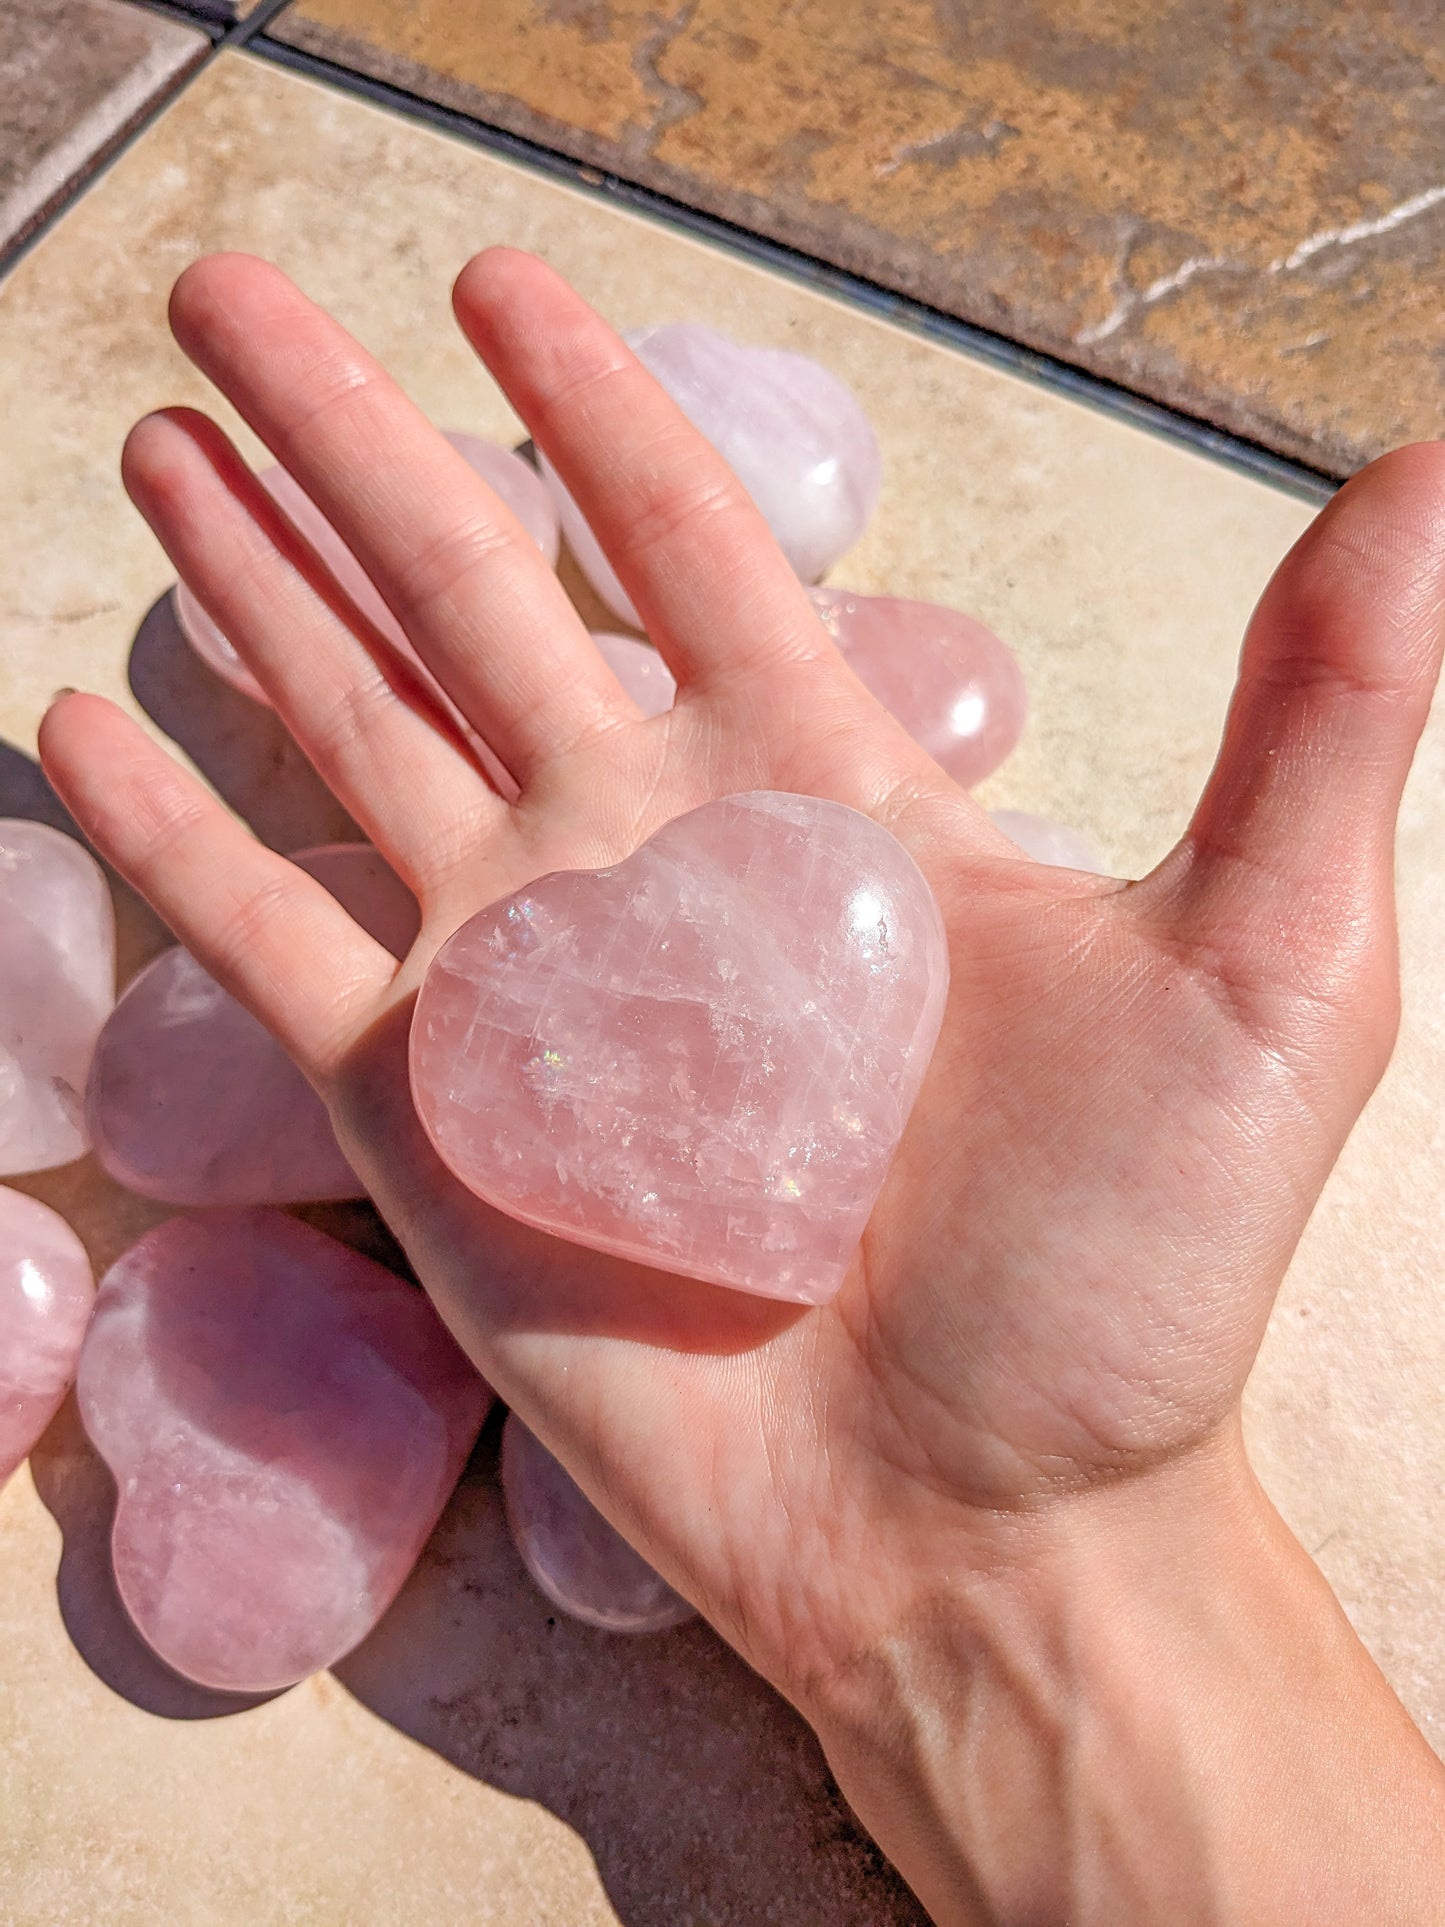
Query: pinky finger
263	928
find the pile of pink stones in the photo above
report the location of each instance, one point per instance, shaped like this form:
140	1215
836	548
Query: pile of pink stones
286	1419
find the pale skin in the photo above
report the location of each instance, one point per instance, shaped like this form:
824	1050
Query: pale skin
986	1519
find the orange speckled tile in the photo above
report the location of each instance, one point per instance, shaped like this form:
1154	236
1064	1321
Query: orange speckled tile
1238	211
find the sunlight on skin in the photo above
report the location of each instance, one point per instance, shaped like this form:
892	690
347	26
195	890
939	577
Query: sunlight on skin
898	1503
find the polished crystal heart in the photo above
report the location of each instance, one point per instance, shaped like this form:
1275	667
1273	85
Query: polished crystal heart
702	1058
192	1101
284	1420
793	434
641	671
1052	843
46	1292
57	984
952	684
577	1560
508	475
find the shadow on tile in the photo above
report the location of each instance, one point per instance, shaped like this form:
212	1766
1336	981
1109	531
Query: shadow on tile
78	1491
242	749
700	1794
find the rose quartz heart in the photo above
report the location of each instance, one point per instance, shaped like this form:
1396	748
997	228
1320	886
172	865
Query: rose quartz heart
641	671
577	1559
1052	843
952	684
702	1058
285	1421
508	475
793	434
46	1292
194	1102
57	983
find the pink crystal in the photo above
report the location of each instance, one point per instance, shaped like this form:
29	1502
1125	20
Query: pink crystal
702	1058
284	1420
57	983
952	684
508	475
577	1559
641	671
46	1292
1053	843
793	434
194	1102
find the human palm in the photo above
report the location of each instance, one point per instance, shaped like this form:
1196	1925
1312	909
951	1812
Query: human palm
1139	1088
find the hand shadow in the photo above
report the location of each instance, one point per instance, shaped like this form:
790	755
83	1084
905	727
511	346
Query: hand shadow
699	1792
77	1490
242	748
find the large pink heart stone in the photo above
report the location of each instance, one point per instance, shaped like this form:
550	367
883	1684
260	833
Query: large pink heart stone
703	1058
57	984
577	1559
1052	843
508	475
284	1420
793	434
46	1292
952	684
194	1102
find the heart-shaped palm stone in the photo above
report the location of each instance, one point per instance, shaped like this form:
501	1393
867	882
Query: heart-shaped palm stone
46	1292
585	1567
193	1101
508	475
57	985
702	1058
795	436
285	1421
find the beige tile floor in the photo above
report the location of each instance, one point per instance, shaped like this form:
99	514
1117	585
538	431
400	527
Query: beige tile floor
75	75
474	1762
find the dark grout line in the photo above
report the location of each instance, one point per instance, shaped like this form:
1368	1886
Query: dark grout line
221	34
1043	370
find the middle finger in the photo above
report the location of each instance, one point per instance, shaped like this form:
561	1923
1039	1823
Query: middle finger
477	602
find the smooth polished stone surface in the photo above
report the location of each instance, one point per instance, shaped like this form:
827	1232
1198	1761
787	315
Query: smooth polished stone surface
57	985
507	474
640	669
582	1565
1053	843
952	684
1238	211
285	1421
75	77
795	436
192	1101
702	1058
46	1292
450	1770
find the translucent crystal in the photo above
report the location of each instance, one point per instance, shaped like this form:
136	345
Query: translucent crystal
1053	843
794	435
952	684
46	1291
194	1102
702	1058
57	983
641	671
284	1420
508	475
577	1559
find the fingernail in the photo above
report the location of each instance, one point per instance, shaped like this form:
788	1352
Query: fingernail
66	691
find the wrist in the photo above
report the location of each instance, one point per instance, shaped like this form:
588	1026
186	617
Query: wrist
1138	1704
